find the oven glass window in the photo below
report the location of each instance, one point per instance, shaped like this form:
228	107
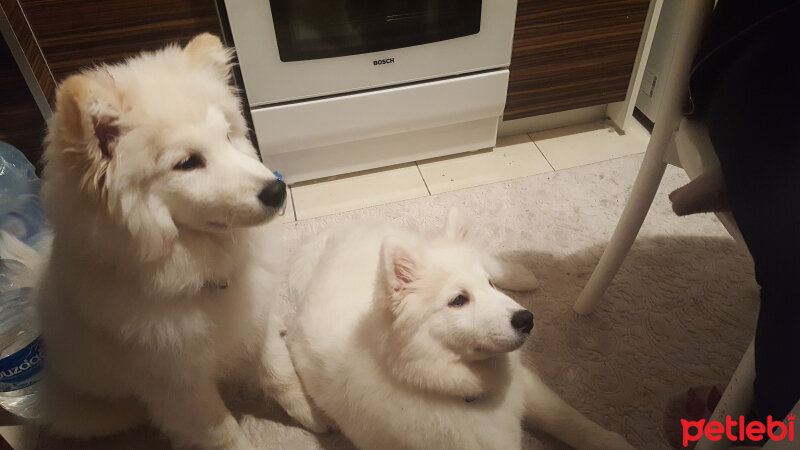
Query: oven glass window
314	29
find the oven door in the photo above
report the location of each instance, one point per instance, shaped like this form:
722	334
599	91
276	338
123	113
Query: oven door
296	49
313	29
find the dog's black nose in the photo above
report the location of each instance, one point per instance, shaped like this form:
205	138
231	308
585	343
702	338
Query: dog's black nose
273	194
522	321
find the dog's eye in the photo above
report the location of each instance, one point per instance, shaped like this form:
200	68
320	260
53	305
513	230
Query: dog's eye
459	301
190	163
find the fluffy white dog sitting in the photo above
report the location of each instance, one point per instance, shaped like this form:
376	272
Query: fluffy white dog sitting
163	272
404	342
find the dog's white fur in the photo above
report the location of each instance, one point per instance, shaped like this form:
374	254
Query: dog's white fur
380	350
160	282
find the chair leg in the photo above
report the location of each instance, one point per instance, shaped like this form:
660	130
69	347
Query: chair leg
642	194
692	17
736	400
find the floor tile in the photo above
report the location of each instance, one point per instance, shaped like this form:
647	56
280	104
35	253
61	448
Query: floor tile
589	143
513	157
360	190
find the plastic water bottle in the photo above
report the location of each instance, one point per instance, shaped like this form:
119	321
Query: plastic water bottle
21	212
20	354
22	217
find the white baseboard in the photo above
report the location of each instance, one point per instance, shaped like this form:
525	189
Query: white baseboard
383	151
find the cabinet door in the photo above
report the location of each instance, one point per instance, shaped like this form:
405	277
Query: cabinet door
21	123
77	33
572	53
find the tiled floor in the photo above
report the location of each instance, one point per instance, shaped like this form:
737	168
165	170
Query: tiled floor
589	143
360	190
513	157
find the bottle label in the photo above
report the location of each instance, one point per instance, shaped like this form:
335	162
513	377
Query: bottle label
21	368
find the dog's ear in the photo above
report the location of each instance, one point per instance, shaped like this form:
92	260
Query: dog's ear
88	111
149	221
456	226
401	266
206	50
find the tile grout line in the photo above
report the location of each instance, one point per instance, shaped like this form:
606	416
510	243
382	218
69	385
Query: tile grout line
416	163
543	155
294	207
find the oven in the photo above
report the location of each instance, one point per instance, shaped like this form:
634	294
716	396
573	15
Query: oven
336	86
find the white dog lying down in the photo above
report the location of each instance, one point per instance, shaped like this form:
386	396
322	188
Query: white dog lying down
162	273
404	342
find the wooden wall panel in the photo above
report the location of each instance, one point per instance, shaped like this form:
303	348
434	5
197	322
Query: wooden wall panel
78	33
24	35
21	123
572	53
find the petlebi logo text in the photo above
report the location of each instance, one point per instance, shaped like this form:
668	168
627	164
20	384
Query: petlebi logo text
737	430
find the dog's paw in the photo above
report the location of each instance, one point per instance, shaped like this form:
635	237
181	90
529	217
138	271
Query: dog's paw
515	277
314	421
296	404
523	282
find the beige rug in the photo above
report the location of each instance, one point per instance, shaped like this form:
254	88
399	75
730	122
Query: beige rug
680	313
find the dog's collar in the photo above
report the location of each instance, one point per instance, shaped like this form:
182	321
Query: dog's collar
216	284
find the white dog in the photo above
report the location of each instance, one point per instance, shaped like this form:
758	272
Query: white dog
404	342
163	272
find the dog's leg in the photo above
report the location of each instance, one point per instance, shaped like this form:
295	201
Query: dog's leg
68	413
509	275
280	381
192	414
548	412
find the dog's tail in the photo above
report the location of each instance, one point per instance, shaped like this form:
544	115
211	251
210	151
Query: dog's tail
20	264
